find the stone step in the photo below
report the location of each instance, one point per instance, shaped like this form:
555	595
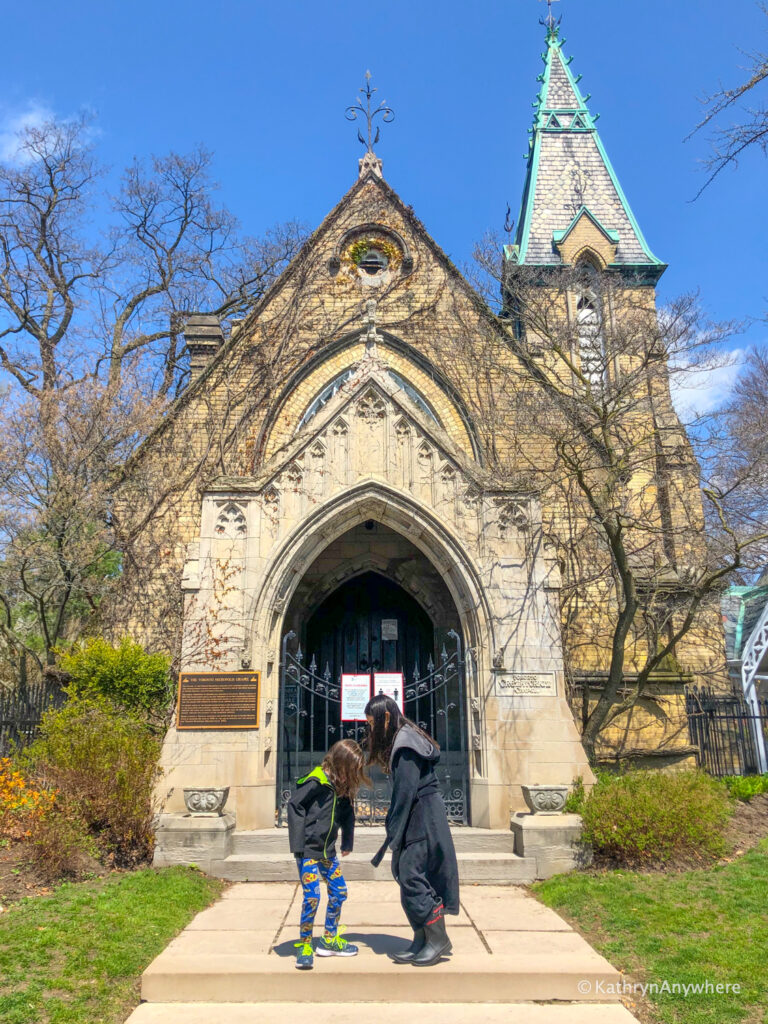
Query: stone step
484	868
239	978
368	838
353	1013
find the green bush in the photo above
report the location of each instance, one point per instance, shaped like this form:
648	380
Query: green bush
103	763
125	674
744	787
575	799
649	818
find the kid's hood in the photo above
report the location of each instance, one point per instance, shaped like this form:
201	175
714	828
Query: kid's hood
316	773
411	738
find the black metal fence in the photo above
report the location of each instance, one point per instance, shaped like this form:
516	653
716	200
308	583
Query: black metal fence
21	711
723	727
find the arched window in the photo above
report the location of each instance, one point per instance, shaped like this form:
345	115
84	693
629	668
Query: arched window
325	396
589	328
414	395
338	382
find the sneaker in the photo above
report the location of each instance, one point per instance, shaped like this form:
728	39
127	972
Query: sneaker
335	946
304	956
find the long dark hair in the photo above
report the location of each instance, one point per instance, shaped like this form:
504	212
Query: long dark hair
344	764
381	737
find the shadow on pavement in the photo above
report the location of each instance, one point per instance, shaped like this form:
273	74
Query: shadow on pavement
378	942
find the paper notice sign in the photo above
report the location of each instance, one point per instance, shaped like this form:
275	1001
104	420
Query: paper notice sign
355	694
391	685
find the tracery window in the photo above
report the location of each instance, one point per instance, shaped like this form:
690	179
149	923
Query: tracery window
338	382
325	396
414	396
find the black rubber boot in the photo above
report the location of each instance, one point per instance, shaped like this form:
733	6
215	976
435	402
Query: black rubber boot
437	942
419	941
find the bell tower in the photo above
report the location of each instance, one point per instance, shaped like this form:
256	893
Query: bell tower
573	206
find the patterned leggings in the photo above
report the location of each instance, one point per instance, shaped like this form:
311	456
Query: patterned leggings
311	871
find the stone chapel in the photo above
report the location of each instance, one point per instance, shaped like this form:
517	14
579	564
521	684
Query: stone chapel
347	522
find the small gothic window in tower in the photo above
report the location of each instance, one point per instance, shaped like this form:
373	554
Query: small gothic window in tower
590	338
325	396
373	261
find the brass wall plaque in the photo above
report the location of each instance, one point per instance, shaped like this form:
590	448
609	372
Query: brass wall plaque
218	700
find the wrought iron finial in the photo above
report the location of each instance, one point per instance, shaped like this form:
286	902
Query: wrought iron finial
357	109
551	23
509	224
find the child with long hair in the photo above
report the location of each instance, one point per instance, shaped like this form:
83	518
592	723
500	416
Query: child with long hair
423	856
323	804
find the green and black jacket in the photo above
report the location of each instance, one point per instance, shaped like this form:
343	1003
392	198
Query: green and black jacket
315	815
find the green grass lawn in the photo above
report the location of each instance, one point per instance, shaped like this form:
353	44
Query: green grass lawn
688	928
75	957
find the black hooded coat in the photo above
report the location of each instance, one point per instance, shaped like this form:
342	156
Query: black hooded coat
423	856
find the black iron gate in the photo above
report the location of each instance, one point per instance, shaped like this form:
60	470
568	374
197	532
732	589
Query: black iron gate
723	726
310	723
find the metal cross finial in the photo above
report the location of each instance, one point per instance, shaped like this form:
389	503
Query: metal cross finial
357	109
551	22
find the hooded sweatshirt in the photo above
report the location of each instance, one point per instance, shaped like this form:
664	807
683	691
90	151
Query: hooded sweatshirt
411	766
315	814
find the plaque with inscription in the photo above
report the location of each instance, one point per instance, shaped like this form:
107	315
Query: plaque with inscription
526	684
218	700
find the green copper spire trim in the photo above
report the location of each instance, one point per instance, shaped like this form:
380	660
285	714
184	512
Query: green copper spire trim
559	236
563	110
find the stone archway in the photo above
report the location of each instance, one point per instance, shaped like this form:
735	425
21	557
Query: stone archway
371	602
372	455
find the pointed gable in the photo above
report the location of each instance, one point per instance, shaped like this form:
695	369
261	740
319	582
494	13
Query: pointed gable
569	170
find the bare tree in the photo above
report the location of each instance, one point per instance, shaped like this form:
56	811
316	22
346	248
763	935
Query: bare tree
90	346
572	386
730	142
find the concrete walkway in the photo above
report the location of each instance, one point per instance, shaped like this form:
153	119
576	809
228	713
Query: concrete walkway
513	959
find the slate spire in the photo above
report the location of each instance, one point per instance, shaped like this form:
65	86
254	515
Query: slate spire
569	176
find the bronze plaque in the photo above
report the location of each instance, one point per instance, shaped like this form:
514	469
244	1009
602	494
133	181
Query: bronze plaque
218	700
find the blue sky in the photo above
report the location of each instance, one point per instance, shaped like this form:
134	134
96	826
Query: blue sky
264	86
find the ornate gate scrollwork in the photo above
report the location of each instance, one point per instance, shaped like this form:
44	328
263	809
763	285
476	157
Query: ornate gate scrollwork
310	722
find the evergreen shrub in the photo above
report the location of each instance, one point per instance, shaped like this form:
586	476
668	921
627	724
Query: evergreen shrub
651	818
126	674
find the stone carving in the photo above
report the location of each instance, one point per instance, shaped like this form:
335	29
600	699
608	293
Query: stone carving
512	512
371	408
340	427
294	475
545	799
271	499
230	522
206	801
403	430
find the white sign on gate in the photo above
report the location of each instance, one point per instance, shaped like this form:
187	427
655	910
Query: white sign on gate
391	685
355	694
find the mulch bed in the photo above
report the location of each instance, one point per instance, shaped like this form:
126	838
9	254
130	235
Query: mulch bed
749	824
18	877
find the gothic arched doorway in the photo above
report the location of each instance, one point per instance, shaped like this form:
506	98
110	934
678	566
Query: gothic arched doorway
371	623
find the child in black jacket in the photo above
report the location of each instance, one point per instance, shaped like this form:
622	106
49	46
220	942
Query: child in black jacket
320	806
